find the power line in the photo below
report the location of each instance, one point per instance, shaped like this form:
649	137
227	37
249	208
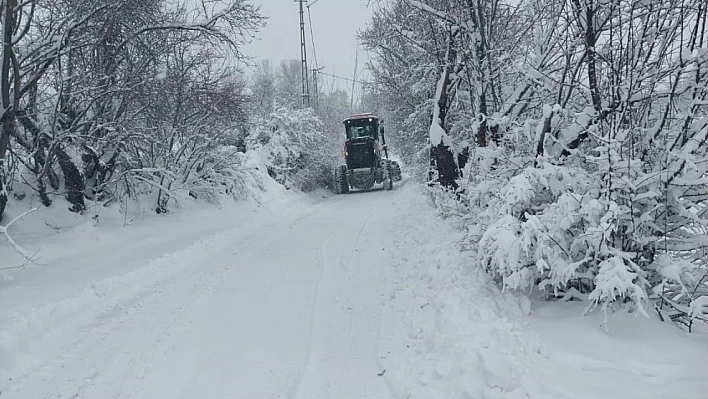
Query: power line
312	35
317	70
356	65
343	78
314	56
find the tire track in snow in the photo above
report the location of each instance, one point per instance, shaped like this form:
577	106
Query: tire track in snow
342	356
182	326
322	255
316	288
103	329
314	209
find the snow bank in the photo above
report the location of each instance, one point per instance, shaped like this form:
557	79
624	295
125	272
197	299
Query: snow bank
468	340
463	340
88	265
28	339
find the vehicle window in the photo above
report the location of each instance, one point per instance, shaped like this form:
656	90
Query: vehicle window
361	128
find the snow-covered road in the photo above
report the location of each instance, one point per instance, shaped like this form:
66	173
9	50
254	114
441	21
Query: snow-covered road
282	307
363	295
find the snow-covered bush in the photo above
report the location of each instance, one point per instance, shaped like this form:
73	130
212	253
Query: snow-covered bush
295	148
594	229
580	145
106	110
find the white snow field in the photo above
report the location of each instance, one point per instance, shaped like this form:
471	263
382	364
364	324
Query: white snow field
353	296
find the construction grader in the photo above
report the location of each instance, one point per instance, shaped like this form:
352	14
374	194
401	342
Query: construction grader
366	156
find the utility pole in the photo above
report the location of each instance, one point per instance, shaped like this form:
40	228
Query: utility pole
303	58
316	88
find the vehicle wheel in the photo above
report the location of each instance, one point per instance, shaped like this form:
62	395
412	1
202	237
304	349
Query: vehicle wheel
388	184
396	171
388	176
340	180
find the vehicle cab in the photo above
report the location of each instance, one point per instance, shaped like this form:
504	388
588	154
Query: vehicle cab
361	149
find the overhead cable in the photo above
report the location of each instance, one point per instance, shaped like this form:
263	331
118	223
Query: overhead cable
343	78
312	35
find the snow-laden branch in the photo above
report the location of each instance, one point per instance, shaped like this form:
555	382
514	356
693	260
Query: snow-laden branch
437	13
247	15
17	247
437	132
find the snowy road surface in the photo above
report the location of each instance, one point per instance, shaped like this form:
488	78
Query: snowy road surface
353	296
284	308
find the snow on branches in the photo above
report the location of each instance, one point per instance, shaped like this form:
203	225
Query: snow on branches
581	134
294	147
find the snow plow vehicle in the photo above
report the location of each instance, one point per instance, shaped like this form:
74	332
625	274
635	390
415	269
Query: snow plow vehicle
366	162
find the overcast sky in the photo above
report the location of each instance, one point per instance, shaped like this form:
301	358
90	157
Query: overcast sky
334	23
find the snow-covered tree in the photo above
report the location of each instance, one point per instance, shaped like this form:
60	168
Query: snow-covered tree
294	147
115	98
580	131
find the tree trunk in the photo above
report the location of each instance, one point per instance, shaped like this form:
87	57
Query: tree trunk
441	157
444	162
542	138
4	142
73	181
478	17
590	40
8	117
